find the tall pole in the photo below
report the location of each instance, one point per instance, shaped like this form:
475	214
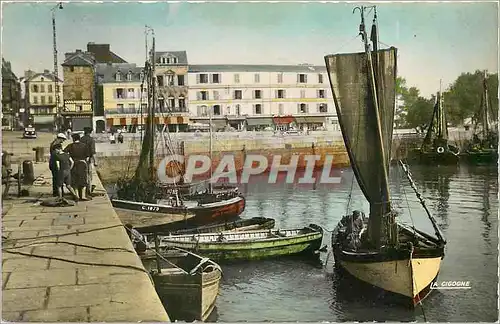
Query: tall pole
210	147
485	105
56	70
153	107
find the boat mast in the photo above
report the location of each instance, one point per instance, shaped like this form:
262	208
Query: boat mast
485	105
152	109
384	206
210	188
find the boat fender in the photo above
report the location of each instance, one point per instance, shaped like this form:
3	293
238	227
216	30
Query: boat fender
440	149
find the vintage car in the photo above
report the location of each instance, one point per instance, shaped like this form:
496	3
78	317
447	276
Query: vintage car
29	132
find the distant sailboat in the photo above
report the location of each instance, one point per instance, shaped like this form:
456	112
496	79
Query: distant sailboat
401	260
435	148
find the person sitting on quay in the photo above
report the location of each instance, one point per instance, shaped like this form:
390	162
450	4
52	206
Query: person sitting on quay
60	138
90	142
63	164
80	153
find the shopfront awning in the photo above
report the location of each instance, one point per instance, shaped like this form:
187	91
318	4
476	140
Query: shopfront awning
310	120
43	119
219	124
235	118
259	121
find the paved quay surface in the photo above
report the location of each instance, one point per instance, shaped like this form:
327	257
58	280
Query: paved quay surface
58	285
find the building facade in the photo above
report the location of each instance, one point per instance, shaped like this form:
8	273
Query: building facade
11	97
40	98
79	90
258	97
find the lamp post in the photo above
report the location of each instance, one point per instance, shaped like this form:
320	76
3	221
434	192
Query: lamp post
56	72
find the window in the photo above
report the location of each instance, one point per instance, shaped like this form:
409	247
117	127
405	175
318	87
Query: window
228	110
257	94
323	108
42	100
118	76
120	93
42	88
51	99
216	95
182	103
302	93
215	78
170	80
131	93
302	78
159	78
79	108
78	81
129	76
238	94
320	78
72	69
202	78
217	110
201	110
35	88
321	93
119	107
302	108
236	78
49	88
161	103
280	94
203	95
280	77
258	109
171	103
281	109
238	110
256	78
180	80
131	108
144	107
78	95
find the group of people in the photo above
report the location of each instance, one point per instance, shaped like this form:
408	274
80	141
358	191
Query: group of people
72	166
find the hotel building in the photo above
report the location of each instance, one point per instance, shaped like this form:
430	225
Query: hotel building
256	97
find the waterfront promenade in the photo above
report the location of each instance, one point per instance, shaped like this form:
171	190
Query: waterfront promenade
71	263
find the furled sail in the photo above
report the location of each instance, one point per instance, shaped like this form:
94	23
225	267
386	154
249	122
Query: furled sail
353	97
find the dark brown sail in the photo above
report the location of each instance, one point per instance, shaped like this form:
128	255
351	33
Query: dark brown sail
350	81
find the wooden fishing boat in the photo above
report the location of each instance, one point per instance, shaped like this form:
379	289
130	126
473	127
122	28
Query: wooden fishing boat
435	148
251	224
376	250
483	148
186	283
249	245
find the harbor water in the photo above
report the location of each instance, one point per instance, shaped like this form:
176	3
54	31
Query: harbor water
464	201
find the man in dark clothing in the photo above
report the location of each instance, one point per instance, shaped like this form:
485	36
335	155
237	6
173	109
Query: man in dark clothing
59	140
90	142
80	153
63	164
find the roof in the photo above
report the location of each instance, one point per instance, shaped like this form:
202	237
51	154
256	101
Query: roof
7	73
102	53
79	58
49	76
180	55
106	73
256	68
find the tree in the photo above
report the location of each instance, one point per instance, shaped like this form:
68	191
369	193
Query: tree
420	112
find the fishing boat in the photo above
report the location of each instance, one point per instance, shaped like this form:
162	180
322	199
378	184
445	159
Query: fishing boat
248	245
145	194
186	283
401	261
436	148
180	228
484	145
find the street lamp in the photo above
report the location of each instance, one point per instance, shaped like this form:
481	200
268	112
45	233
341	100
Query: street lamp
56	72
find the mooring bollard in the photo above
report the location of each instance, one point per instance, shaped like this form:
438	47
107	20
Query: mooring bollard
28	172
39	154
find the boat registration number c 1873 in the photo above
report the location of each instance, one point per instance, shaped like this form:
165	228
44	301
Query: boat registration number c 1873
150	208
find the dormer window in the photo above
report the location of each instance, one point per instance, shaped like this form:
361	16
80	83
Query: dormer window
169	59
129	76
118	76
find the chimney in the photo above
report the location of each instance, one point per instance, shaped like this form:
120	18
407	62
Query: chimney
46	71
78	51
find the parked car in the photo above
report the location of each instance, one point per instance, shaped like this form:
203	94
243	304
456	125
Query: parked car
29	132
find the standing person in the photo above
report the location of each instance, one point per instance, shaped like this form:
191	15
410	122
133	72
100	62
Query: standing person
120	137
63	164
112	138
58	140
90	142
80	153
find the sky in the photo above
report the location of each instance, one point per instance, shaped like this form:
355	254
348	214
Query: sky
434	40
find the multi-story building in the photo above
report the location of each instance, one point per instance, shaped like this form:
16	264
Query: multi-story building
121	93
40	98
261	96
79	92
11	97
171	70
